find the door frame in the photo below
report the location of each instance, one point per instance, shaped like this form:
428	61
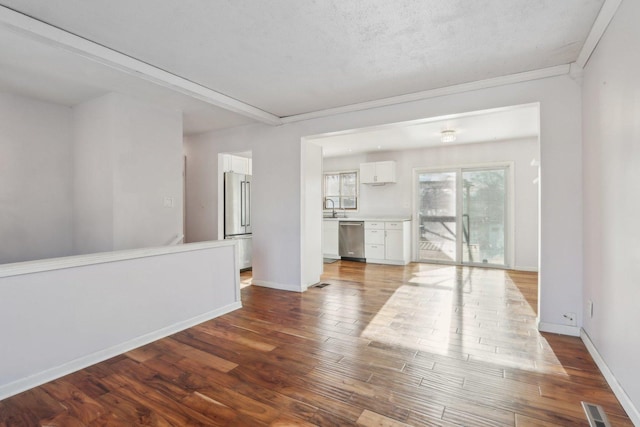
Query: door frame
509	252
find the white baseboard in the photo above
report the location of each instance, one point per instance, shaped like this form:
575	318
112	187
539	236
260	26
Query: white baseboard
622	396
555	328
520	268
51	374
386	261
279	286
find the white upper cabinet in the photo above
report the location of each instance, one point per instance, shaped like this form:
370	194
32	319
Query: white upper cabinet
378	172
367	173
236	164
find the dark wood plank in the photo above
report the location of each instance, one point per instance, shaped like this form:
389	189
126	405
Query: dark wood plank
76	403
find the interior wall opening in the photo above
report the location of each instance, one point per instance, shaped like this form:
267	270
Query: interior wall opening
235	215
489	161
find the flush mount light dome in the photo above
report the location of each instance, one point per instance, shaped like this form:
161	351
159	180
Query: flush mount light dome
448	135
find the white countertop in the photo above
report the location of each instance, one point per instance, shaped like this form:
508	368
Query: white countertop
370	218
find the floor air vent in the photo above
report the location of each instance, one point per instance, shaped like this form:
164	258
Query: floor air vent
321	285
595	415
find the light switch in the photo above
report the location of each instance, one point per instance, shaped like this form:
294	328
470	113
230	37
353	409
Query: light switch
167	202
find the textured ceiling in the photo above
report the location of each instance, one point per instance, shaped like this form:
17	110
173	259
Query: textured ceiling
289	57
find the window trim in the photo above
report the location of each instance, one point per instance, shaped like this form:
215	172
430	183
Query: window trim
324	188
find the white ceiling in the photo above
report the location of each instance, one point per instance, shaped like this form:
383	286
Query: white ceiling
289	57
504	124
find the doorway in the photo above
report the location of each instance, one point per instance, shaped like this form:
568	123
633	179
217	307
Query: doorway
464	215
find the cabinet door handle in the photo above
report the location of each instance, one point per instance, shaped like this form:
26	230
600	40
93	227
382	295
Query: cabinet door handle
242	207
248	203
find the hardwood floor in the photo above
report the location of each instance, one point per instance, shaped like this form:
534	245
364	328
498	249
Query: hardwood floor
422	345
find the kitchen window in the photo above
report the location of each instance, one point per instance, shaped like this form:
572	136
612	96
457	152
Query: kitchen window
341	188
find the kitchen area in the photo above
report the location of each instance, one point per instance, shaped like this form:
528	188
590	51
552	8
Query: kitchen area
348	231
381	196
236	169
348	235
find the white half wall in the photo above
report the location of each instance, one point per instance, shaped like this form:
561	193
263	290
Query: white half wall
277	171
35	179
128	174
106	304
611	180
397	199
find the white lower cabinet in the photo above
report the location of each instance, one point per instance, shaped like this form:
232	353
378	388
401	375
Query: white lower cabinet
394	245
330	239
387	242
372	252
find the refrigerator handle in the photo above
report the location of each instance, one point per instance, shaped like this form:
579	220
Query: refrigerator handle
247	194
242	222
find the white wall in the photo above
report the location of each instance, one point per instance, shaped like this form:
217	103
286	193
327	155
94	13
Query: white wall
93	176
35	179
202	191
277	171
148	167
128	158
311	181
275	198
104	305
88	179
611	123
397	199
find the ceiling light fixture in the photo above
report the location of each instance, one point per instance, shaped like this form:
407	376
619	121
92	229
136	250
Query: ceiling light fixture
448	135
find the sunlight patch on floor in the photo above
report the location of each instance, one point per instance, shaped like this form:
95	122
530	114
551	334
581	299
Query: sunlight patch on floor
468	314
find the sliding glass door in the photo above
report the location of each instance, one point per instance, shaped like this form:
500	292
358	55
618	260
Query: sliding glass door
462	216
484	216
437	216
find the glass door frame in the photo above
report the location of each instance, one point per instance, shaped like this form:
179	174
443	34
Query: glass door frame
509	235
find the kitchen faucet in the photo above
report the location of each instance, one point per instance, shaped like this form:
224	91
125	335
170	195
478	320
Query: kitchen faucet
333	207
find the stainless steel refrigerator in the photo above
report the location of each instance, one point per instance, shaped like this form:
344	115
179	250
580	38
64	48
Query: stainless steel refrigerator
237	214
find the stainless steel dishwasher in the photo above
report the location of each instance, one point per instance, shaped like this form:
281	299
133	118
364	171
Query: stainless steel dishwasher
351	243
